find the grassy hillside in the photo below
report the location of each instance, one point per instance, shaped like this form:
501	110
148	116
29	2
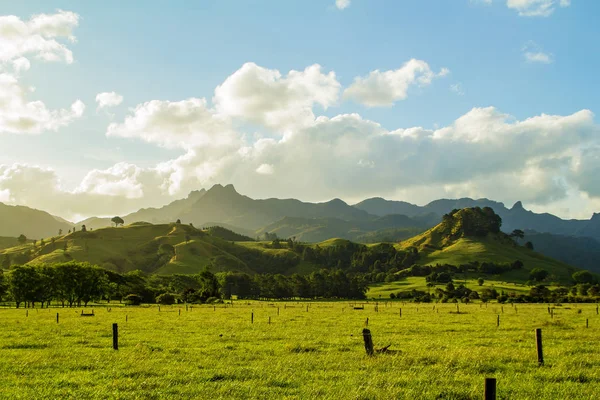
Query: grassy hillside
148	247
447	243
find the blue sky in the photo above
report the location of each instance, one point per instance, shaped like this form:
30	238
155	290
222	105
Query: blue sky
170	52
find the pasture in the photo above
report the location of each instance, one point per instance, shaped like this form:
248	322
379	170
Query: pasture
289	352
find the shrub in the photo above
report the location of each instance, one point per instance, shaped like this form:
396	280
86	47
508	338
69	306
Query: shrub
133	300
166	299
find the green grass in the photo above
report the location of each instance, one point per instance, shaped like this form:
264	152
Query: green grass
435	249
219	354
418	283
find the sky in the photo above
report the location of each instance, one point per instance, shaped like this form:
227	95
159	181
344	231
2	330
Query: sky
107	107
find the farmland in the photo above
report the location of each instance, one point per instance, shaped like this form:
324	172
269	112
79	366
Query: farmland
299	351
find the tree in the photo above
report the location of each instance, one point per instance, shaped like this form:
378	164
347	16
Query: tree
22	239
538	274
517	233
178	222
117	221
166	299
6	262
60	232
529	245
583	277
66	246
83	228
480	281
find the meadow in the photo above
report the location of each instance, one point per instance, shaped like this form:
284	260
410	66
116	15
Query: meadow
299	351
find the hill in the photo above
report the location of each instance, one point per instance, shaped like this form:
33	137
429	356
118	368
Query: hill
387	228
35	224
161	249
473	235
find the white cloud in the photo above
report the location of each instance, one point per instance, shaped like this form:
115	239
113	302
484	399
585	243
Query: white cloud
383	89
37	37
183	124
483	153
342	4
108	99
264	96
265	169
536	8
17	115
534	53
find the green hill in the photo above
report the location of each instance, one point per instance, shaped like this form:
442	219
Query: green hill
473	235
162	249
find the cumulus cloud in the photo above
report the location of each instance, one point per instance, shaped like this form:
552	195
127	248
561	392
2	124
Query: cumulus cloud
38	37
536	8
108	99
342	4
265	96
183	124
482	153
383	89
17	115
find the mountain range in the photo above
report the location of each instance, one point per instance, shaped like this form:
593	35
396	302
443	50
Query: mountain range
371	220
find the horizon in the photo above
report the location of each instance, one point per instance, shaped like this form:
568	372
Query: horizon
479	99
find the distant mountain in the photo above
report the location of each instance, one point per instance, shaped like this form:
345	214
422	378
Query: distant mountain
225	204
35	224
582	252
388	228
516	217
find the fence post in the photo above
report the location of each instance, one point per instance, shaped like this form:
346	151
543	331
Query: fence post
538	342
57	318
368	341
367	322
400	312
490	389
115	336
587	323
498	321
252	317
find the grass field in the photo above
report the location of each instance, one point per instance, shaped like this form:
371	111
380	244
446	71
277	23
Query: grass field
211	353
383	290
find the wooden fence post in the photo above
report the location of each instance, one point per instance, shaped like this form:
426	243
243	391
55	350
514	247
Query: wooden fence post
400	312
368	341
538	342
115	336
498	321
587	323
180	312
490	389
367	322
252	317
126	317
269	320
57	318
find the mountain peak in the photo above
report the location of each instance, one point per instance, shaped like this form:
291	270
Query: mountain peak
225	189
517	206
595	217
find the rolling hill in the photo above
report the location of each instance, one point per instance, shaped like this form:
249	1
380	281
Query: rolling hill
161	249
469	235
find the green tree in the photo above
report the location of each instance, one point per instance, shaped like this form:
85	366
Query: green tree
538	274
117	221
480	281
6	261
529	245
517	233
166	299
583	277
22	239
23	284
60	232
83	228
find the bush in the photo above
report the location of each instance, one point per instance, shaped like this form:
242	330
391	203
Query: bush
133	300
213	300
166	299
